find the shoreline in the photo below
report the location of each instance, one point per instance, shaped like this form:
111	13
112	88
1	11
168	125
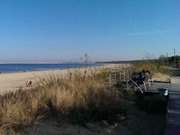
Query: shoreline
18	68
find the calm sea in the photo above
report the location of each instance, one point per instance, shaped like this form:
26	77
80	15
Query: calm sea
6	68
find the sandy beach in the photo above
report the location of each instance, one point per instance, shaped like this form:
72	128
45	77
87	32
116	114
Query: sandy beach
14	81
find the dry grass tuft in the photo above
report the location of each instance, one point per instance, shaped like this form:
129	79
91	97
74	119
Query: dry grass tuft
80	97
154	67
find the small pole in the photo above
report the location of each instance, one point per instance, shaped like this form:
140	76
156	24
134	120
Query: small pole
167	55
174	56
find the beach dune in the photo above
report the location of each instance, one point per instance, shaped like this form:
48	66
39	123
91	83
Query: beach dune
14	81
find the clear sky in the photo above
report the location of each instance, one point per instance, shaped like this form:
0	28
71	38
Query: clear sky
63	30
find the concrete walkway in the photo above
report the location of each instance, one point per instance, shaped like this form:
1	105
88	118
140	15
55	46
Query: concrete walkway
173	119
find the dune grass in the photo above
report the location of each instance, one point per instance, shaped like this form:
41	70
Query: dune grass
78	98
153	67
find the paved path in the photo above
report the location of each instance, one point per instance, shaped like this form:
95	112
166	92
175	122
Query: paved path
173	125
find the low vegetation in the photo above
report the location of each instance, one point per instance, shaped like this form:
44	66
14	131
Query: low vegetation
154	67
78	98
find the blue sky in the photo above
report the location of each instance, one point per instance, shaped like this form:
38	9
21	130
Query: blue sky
63	30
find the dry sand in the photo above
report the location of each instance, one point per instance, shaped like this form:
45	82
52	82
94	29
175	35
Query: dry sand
161	77
14	81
